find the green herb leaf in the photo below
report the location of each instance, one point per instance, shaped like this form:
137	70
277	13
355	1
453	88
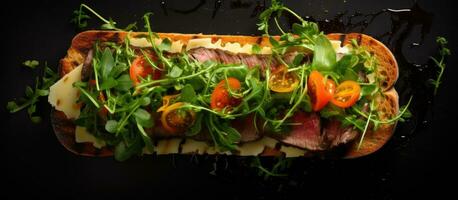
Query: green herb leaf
131	26
349	75
165	45
108	83
143	118
188	94
197	127
146	139
29	91
324	57
106	63
176	72
444	52
124	151
11	106
256	49
111	126
298	59
346	62
142	114
368	90
145	101
124	83
331	111
35	119
31	63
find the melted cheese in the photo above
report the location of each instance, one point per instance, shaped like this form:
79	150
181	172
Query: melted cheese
63	96
81	135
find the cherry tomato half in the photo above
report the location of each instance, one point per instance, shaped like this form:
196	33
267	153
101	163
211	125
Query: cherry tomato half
221	98
176	119
320	90
346	94
283	81
141	67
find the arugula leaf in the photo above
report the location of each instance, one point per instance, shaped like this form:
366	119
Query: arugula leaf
110	25
256	49
188	94
80	18
277	170
346	62
444	52
106	63
197	127
108	84
236	72
349	74
131	26
369	90
324	57
175	72
146	139
143	118
31	63
124	83
331	110
32	95
165	45
224	136
111	126
124	151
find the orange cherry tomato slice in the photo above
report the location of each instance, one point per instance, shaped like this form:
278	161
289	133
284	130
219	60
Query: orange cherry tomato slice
141	68
346	94
320	90
330	87
175	119
221	98
283	81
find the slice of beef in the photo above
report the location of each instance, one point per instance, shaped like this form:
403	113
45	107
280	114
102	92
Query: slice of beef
307	134
290	56
202	54
335	135
87	70
245	126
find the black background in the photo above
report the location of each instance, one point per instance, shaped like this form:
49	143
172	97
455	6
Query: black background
417	162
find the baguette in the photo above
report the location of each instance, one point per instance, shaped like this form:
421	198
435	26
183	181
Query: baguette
388	105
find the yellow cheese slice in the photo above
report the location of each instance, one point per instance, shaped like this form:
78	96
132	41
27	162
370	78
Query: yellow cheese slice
63	96
81	135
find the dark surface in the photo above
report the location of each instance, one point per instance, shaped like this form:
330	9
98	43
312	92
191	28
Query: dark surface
415	163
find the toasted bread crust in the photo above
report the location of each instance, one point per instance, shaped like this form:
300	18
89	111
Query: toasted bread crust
83	42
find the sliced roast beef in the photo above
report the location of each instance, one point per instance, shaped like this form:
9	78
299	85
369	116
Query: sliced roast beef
245	126
87	70
202	54
335	134
307	133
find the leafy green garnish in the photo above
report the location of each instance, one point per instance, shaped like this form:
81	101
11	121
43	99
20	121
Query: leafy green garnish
324	57
31	63
80	18
277	170
443	52
32	95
